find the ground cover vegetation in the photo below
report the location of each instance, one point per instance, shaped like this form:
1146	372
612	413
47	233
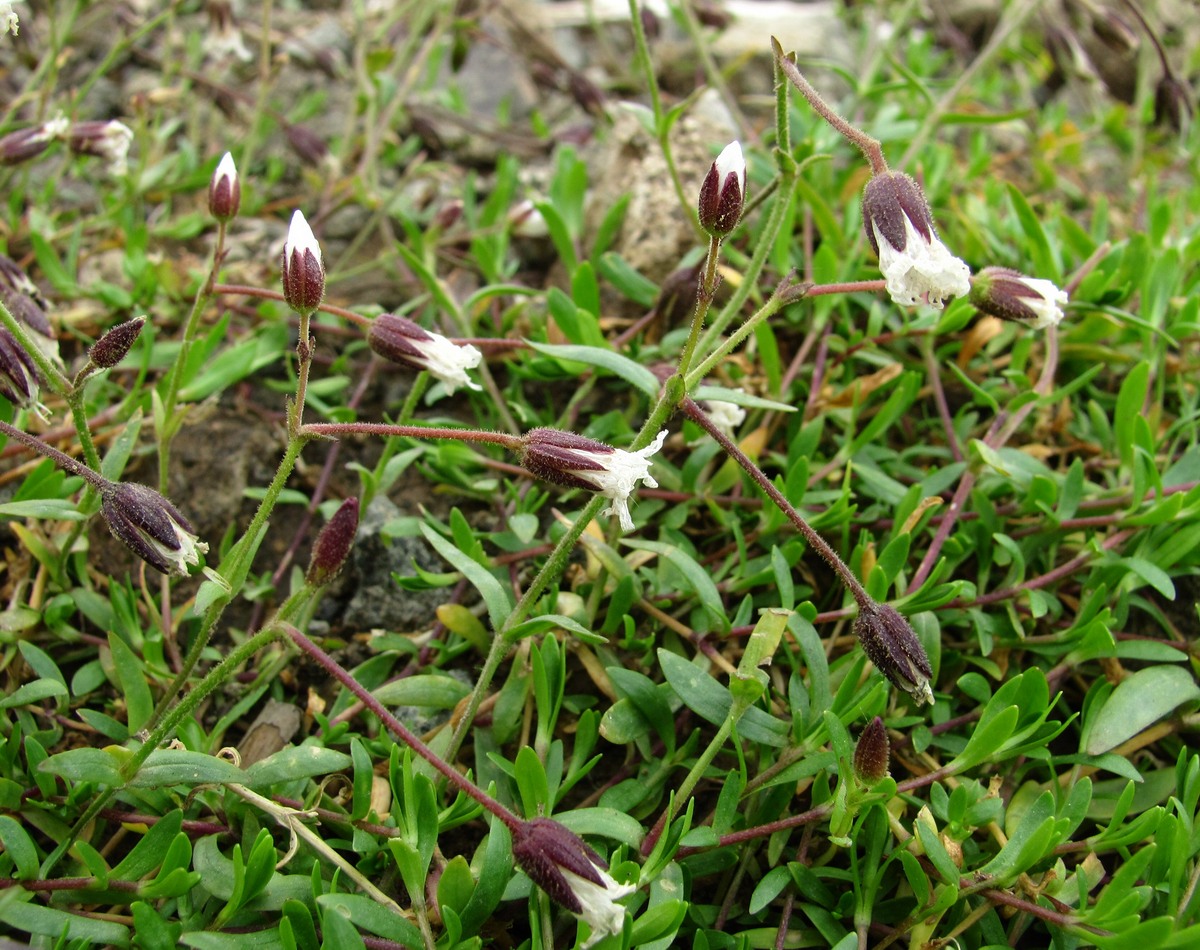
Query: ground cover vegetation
493	476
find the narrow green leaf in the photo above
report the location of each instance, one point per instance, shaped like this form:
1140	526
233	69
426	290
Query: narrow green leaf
497	598
622	366
1139	701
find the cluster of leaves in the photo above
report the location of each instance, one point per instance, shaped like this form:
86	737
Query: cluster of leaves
1031	503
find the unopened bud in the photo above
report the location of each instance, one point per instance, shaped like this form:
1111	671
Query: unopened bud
111	348
332	547
225	191
308	146
871	753
18	373
1009	295
892	645
1172	102
303	271
723	193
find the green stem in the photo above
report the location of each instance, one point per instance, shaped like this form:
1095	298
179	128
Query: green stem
704	298
764	313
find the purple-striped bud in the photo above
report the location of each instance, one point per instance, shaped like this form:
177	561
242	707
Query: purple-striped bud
569	459
303	272
332	547
225	191
892	645
24	144
151	527
400	340
572	874
1009	295
872	752
19	381
916	265
723	193
111	348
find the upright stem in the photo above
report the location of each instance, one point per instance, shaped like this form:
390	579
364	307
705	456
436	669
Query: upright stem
705	292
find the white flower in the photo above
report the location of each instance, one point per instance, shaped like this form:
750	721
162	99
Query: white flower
915	264
400	340
569	459
109	140
9	18
599	903
924	271
726	416
1047	305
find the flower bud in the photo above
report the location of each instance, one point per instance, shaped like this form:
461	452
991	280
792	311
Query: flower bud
890	643
400	340
569	459
723	193
1006	294
224	191
19	381
24	144
916	265
871	753
111	348
332	547
303	272
1172	102
108	140
572	874
151	527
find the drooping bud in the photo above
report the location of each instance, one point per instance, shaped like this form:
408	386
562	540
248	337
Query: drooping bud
569	459
1009	295
25	302
109	140
303	271
111	348
872	752
151	527
225	191
572	874
24	144
332	547
1172	102
723	193
892	645
899	226
19	381
400	340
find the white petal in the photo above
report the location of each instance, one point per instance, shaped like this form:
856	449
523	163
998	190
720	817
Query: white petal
449	362
621	473
731	160
924	272
300	238
600	910
1047	305
226	169
726	416
9	18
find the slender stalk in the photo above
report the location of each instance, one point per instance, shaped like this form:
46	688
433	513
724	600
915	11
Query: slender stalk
705	292
511	442
364	696
870	147
698	415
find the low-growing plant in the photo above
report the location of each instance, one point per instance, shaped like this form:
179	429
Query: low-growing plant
661	720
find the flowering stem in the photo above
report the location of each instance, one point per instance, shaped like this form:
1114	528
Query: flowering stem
815	541
871	148
63	460
704	298
510	442
304	355
765	312
334	669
